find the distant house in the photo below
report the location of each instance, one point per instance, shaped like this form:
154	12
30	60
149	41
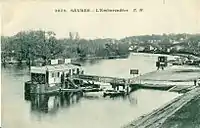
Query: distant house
140	49
151	48
177	47
130	48
168	50
176	42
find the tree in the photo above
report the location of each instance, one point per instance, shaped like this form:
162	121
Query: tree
29	45
47	46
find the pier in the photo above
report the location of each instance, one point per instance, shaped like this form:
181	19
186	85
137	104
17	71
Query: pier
69	79
103	79
172	79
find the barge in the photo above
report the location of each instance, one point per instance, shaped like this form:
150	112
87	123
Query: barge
114	93
53	78
68	77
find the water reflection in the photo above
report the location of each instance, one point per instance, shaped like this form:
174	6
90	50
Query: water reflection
50	103
130	98
90	62
67	111
15	70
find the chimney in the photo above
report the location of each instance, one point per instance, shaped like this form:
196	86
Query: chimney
68	61
54	62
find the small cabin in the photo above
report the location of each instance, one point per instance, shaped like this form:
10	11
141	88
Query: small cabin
162	59
162	62
54	73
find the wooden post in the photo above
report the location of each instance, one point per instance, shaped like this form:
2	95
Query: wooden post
195	82
62	79
117	87
134	77
47	77
127	89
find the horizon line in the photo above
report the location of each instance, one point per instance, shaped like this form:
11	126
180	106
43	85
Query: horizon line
100	37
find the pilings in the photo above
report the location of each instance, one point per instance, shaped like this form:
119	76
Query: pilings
38	88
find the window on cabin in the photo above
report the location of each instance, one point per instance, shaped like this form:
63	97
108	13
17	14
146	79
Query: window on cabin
67	74
37	77
73	71
77	70
58	74
52	74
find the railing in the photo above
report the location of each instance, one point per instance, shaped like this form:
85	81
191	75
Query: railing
103	79
53	88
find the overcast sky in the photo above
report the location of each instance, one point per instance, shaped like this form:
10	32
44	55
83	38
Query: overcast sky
175	16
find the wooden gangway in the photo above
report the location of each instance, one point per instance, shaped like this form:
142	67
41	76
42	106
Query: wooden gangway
59	89
132	82
103	79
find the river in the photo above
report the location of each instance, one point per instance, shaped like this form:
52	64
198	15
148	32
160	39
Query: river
80	112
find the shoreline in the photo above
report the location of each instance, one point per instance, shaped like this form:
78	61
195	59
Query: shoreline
160	116
184	55
171	54
164	115
75	59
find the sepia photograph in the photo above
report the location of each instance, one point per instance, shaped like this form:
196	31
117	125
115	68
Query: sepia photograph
100	64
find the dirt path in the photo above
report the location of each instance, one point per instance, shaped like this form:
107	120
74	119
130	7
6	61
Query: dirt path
173	74
157	118
187	117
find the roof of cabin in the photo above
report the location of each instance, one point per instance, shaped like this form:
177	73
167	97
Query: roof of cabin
59	67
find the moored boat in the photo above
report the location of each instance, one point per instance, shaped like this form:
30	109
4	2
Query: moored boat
114	93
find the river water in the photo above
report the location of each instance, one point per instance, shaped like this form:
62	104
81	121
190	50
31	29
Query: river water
80	112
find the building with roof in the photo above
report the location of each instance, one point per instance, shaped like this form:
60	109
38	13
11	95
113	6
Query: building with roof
52	74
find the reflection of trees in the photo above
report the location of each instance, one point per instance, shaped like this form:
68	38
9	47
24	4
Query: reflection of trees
51	103
68	99
130	98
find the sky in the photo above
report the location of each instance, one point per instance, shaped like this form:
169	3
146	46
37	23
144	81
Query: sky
158	17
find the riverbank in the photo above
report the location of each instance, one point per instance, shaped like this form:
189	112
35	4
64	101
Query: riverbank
177	112
173	74
77	59
174	78
80	59
173	54
182	58
103	57
182	110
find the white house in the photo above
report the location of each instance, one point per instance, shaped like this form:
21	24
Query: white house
52	74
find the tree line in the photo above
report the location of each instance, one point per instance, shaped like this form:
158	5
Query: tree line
31	46
190	43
